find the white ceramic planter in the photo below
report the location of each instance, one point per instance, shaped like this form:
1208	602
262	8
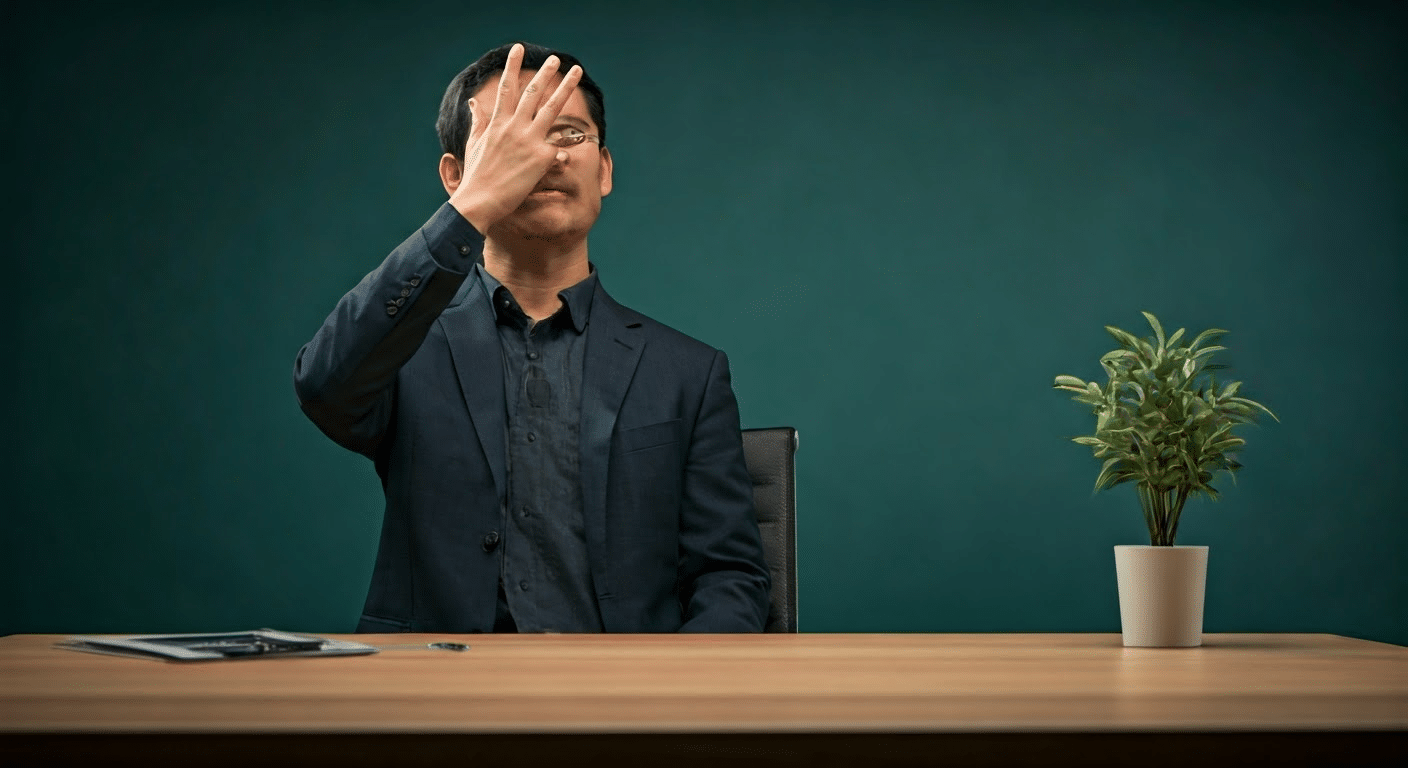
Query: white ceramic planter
1161	594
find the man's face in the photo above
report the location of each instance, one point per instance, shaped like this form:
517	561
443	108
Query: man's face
567	201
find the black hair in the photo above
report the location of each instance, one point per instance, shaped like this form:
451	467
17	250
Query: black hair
453	123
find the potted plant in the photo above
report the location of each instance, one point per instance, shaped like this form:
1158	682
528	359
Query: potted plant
1163	423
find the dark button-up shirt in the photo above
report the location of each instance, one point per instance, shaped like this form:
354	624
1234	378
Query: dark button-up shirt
546	579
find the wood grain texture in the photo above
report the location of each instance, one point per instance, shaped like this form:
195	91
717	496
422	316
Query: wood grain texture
808	683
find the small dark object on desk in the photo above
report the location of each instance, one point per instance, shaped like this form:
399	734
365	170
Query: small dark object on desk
450	646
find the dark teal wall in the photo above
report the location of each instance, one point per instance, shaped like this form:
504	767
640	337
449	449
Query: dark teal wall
900	221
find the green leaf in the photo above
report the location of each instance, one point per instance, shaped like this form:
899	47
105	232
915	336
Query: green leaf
1108	474
1205	335
1069	381
1158	329
1218	432
1125	339
1148	355
1223	446
1253	404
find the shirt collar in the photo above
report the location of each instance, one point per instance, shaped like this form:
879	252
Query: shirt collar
576	300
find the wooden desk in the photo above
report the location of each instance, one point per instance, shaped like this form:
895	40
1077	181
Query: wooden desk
776	699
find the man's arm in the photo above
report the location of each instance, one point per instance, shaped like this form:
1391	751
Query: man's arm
724	581
345	376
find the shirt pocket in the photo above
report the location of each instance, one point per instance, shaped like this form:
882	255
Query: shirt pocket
648	436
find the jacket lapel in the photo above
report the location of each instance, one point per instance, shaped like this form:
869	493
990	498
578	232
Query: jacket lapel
614	346
468	324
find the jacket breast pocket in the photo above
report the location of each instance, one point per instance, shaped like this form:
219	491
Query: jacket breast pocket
649	436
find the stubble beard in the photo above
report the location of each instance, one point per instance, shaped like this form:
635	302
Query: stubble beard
539	223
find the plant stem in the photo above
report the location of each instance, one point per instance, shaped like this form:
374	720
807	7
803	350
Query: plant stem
1161	510
1146	503
1161	514
1164	515
1182	499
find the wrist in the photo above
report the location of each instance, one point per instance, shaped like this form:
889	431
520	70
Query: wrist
476	211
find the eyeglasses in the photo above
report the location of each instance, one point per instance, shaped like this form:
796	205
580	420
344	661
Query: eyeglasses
571	137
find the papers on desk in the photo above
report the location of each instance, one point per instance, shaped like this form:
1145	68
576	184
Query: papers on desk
215	646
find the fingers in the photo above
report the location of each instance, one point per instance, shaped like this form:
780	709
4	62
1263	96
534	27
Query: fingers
533	94
508	81
476	126
533	106
547	114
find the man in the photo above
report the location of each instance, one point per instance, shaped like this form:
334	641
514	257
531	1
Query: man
551	460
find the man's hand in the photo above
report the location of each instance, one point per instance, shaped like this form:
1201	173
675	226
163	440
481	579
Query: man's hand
508	153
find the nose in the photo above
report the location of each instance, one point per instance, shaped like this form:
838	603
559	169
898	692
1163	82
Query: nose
561	158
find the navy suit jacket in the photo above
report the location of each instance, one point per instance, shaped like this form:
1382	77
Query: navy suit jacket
408	371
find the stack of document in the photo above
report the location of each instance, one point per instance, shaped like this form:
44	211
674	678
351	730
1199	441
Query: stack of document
259	643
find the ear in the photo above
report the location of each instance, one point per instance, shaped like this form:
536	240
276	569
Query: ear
451	170
604	173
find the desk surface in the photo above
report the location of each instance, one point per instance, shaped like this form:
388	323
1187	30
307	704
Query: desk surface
893	683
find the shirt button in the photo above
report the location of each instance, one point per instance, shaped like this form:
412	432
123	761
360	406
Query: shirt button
527	511
523	585
491	540
532	437
532	355
464	250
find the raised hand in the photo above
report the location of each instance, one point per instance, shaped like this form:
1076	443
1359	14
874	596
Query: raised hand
508	153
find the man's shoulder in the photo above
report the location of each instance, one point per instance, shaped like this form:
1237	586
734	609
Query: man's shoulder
656	332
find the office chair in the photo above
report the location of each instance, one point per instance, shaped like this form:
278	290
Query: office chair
769	454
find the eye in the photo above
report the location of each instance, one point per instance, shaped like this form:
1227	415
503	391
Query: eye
563	132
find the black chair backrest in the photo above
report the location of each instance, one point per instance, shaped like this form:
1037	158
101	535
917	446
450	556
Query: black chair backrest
769	453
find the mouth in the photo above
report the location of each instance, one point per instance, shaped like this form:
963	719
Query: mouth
550	191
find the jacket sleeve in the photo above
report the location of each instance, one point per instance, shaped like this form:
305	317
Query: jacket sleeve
724	580
345	377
